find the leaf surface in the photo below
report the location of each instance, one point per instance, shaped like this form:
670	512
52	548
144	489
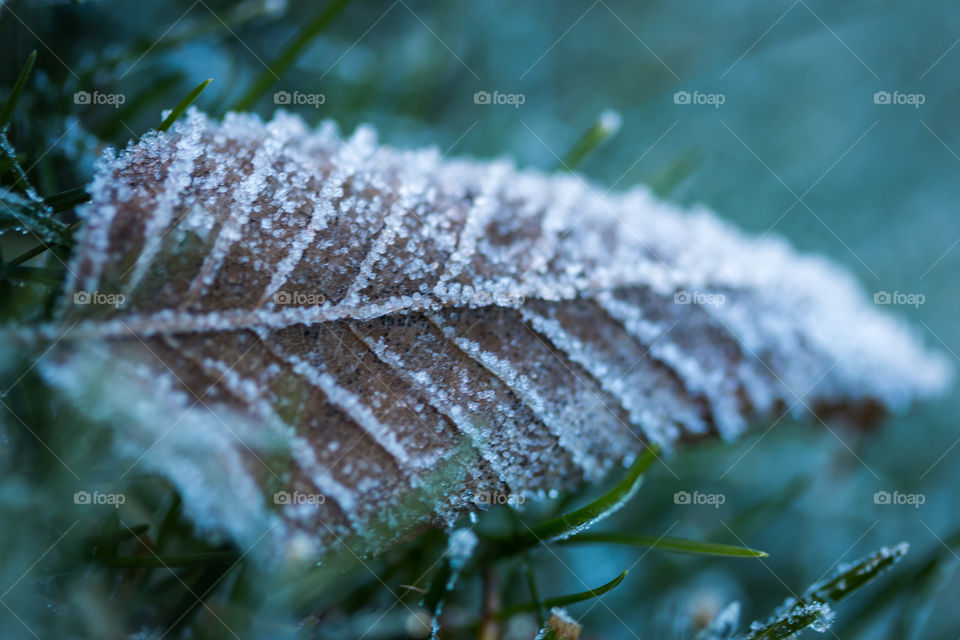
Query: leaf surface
333	340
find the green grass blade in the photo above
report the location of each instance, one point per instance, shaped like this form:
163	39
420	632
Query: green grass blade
289	55
9	164
534	590
66	200
7	113
562	601
169	521
673	174
49	277
862	572
21	214
182	106
675	545
604	128
814	607
585	517
37	250
915	593
437	591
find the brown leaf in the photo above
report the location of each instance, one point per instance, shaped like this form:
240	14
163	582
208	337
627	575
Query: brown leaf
334	340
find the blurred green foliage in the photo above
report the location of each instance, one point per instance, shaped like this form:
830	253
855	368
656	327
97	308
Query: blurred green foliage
799	146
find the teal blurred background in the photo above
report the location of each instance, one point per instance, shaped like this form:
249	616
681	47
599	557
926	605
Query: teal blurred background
799	146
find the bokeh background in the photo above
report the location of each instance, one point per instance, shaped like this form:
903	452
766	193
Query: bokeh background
799	147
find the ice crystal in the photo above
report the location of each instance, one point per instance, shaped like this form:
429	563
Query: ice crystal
814	610
724	625
460	547
415	331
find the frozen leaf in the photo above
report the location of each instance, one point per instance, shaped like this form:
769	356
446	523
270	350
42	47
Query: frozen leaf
336	341
560	626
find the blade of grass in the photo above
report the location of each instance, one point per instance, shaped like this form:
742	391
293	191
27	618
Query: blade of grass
675	545
289	55
584	517
862	572
66	200
183	104
562	601
19	214
606	126
433	601
49	277
168	523
8	160
673	174
534	591
922	581
813	608
37	250
7	113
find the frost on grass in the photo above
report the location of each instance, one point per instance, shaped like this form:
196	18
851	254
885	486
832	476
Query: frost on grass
814	610
394	332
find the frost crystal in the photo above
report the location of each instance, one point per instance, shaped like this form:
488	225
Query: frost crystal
460	547
724	625
412	332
